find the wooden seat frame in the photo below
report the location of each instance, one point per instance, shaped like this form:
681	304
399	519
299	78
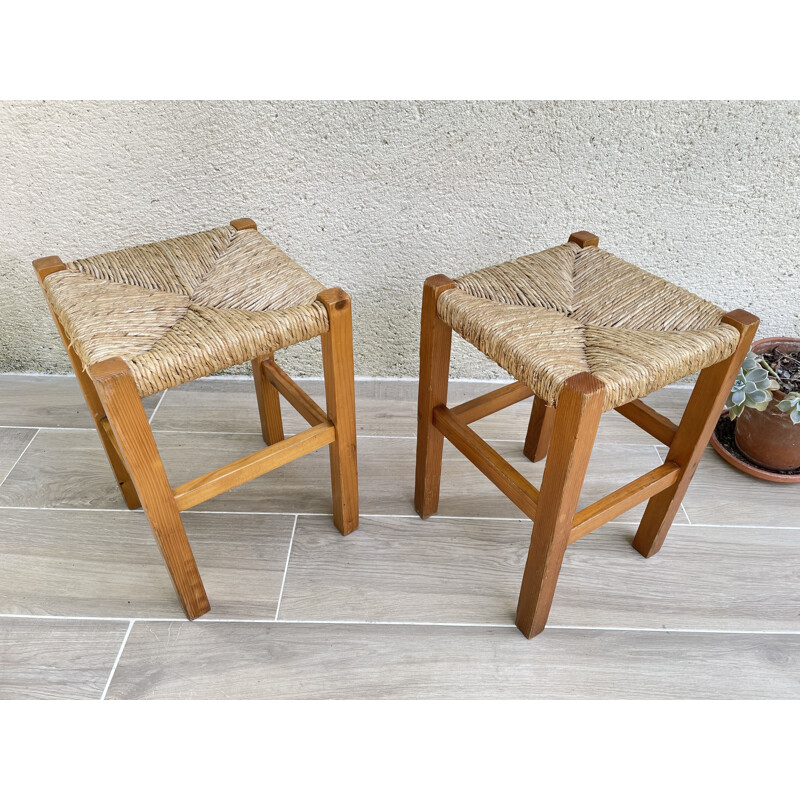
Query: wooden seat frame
568	431
116	407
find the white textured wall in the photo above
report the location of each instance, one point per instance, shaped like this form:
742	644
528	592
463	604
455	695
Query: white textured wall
374	196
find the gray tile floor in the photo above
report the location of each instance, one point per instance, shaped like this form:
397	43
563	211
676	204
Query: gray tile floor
399	609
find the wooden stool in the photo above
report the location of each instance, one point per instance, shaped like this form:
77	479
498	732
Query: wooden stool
584	332
144	319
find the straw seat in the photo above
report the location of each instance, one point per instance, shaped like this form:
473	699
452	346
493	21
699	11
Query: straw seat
186	307
568	310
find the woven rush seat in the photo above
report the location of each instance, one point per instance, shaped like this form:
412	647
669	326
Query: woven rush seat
186	307
567	310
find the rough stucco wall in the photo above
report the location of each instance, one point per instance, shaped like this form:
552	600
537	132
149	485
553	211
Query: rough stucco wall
375	196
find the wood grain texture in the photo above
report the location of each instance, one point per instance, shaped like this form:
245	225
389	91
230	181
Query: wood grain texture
721	495
508	480
468	571
49	401
297	397
244	469
383	408
540	429
120	399
387	486
434	367
13	442
193	661
657	425
623	499
43	659
491	402
580	405
337	363
103	563
693	434
269	403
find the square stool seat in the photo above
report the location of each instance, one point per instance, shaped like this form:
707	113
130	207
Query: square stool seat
187	307
570	309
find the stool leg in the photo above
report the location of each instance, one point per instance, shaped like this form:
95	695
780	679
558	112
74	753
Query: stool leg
701	415
340	397
47	266
128	421
580	405
269	403
540	428
434	368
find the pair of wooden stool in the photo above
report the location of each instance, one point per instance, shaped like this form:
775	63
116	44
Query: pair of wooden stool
581	330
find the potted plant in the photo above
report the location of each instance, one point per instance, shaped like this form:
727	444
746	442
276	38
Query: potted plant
765	403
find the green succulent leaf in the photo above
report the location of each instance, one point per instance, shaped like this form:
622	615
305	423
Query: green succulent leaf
750	361
785	405
795	416
757	375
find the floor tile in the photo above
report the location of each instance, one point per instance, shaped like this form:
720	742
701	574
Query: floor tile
13	442
107	564
721	495
49	659
48	401
469	571
274	660
68	469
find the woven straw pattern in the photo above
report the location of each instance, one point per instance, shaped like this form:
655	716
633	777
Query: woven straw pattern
550	315
186	307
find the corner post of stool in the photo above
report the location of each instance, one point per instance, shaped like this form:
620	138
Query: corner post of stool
578	411
584	239
126	416
540	429
45	267
269	402
243	224
340	398
694	432
434	372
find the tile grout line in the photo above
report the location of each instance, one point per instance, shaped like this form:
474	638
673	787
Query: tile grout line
121	510
116	660
158	405
398	623
286	567
19	458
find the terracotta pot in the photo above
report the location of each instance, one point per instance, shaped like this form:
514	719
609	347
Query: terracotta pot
769	438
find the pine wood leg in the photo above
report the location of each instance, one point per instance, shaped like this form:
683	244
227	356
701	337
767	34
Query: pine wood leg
120	398
269	403
580	405
434	369
47	266
693	434
340	396
540	428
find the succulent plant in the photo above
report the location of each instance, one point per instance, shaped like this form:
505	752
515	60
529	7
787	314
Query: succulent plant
753	389
791	404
